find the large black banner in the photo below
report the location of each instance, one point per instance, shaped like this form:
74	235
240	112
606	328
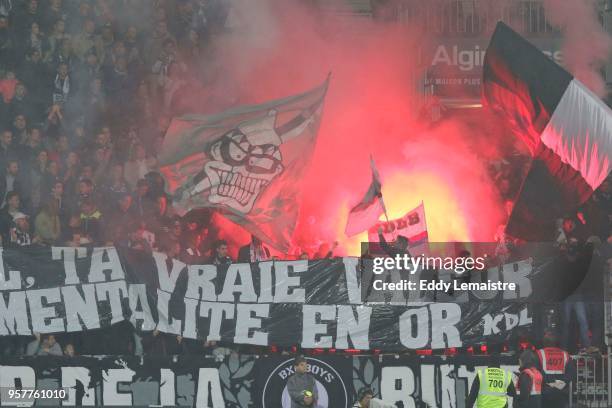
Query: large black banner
311	304
239	381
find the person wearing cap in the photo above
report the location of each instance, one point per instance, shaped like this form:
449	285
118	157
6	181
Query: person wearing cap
557	368
492	385
529	385
20	233
302	385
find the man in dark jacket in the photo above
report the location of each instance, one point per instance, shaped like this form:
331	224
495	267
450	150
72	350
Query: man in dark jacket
302	386
219	256
91	222
10	180
10	209
253	252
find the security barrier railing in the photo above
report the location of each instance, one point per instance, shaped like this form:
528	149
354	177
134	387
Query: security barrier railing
474	17
590	388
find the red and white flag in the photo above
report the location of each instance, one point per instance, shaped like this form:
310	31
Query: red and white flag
412	226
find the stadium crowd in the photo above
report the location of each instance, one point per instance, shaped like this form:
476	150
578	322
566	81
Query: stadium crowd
86	93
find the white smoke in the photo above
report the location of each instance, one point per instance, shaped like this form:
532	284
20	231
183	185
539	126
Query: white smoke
586	45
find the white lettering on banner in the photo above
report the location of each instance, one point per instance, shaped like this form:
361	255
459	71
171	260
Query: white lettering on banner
164	323
434	325
353	284
68	255
81	308
41	314
414	328
113	377
14	277
215	312
444	318
167	281
246	288
518	273
70	376
355	327
190	330
491	323
438	383
139	307
245	321
199	282
209	377
284	291
348	326
447	385
77	307
13	376
113	292
511	321
265	282
428	387
99	265
397	384
312	329
14	314
167	387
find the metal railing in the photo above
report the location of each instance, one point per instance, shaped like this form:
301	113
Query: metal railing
475	17
591	386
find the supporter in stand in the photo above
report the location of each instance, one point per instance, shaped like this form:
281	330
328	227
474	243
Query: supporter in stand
20	233
190	250
141	201
365	399
219	255
12	180
253	252
400	247
47	225
325	251
69	350
91	222
138	237
10	209
44	345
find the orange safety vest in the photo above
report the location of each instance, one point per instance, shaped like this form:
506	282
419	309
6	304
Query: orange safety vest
553	360
536	381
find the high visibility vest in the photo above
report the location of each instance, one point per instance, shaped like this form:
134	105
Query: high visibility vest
553	360
536	381
494	384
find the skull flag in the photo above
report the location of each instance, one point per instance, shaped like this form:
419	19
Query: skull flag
246	162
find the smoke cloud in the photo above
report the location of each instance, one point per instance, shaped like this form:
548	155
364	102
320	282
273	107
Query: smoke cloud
281	48
586	46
